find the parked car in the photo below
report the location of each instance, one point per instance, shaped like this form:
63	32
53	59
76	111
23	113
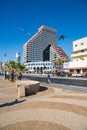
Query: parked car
63	74
79	75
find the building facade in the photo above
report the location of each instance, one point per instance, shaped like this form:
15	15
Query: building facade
39	67
79	55
33	48
47	65
57	53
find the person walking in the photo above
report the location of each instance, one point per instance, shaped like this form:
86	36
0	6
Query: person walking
19	77
7	75
48	78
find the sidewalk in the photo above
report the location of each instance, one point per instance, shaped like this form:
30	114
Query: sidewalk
50	109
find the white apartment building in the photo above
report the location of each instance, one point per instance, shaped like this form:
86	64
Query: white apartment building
57	53
79	55
57	57
39	67
33	48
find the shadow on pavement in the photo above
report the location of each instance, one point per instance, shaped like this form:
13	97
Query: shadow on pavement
42	88
11	103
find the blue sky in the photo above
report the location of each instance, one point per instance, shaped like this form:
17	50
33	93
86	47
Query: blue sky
69	17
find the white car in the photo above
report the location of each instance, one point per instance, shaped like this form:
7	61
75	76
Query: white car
77	75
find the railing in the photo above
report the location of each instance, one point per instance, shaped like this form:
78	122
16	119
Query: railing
78	54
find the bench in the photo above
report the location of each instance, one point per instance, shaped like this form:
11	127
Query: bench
27	87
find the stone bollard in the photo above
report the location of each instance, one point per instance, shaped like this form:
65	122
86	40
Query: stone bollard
21	91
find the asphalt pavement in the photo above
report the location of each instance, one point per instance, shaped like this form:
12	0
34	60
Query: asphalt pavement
70	83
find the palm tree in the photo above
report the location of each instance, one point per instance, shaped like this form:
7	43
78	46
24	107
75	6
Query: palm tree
54	63
14	67
61	37
20	67
59	62
11	68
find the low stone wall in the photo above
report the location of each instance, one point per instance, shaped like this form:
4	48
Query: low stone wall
27	87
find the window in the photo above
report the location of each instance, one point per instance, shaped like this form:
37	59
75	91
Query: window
82	43
76	45
82	50
82	59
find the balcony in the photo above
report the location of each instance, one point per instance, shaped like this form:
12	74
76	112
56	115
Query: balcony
77	54
75	64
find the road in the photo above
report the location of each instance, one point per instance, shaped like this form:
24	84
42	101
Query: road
77	84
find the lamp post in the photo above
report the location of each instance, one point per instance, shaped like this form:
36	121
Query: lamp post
4	65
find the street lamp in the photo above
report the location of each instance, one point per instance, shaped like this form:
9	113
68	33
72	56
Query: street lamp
4	65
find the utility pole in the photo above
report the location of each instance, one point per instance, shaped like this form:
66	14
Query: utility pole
5	54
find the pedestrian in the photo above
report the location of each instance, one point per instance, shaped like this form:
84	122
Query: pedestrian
19	77
12	75
48	78
7	75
